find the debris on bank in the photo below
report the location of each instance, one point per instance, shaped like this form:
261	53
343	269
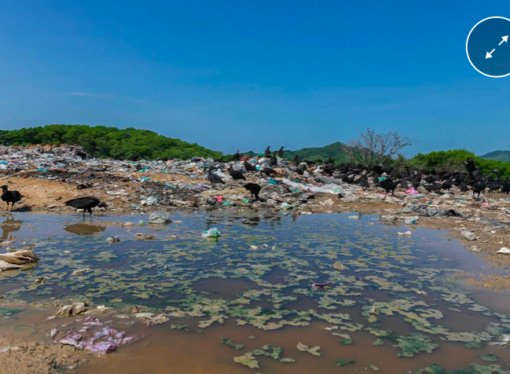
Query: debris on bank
17	259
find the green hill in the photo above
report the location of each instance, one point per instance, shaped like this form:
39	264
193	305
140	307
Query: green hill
333	150
497	155
323	153
108	142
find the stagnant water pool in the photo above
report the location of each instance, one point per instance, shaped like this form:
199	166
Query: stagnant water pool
244	303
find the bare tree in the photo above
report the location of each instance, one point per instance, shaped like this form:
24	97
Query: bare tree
371	148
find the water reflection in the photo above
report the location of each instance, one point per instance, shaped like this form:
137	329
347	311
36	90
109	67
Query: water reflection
84	229
10	225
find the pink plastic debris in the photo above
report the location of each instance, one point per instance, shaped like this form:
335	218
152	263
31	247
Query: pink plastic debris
128	340
93	339
412	191
101	348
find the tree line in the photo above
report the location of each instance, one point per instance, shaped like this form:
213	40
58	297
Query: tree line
108	142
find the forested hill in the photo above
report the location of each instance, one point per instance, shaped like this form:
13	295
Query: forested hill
497	155
108	142
333	150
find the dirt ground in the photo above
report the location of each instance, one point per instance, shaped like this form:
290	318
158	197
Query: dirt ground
42	195
37	357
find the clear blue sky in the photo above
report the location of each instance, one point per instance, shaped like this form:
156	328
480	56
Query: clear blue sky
247	74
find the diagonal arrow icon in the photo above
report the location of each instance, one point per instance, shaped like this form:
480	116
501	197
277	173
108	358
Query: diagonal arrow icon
489	54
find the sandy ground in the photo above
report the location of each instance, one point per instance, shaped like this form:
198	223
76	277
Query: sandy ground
39	194
37	357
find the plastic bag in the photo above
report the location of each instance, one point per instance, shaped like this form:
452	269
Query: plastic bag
412	191
212	233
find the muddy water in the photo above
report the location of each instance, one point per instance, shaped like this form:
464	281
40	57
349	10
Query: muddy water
255	281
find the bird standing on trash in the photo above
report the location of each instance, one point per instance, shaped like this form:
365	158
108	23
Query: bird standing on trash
86	203
236	156
213	178
469	164
236	174
296	161
280	151
273	161
268	151
10	197
254	189
388	186
268	171
249	167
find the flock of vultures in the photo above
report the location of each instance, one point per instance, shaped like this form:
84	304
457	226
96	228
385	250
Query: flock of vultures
270	164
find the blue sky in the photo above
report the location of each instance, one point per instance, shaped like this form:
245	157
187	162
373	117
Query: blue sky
247	74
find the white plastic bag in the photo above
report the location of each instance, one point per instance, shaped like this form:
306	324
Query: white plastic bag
212	233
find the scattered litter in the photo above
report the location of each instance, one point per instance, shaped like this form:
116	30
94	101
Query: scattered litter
407	233
211	233
320	286
468	235
158	219
113	239
17	259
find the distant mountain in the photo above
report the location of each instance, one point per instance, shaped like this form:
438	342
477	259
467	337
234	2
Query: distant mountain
323	153
497	155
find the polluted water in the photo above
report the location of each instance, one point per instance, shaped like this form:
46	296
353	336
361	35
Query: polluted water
269	294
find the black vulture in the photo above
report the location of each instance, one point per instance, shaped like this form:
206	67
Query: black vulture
236	174
236	156
213	178
432	187
249	167
296	161
280	151
469	164
81	154
404	184
267	151
273	161
268	171
10	197
477	188
254	189
378	169
388	186
363	182
447	185
463	186
86	203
